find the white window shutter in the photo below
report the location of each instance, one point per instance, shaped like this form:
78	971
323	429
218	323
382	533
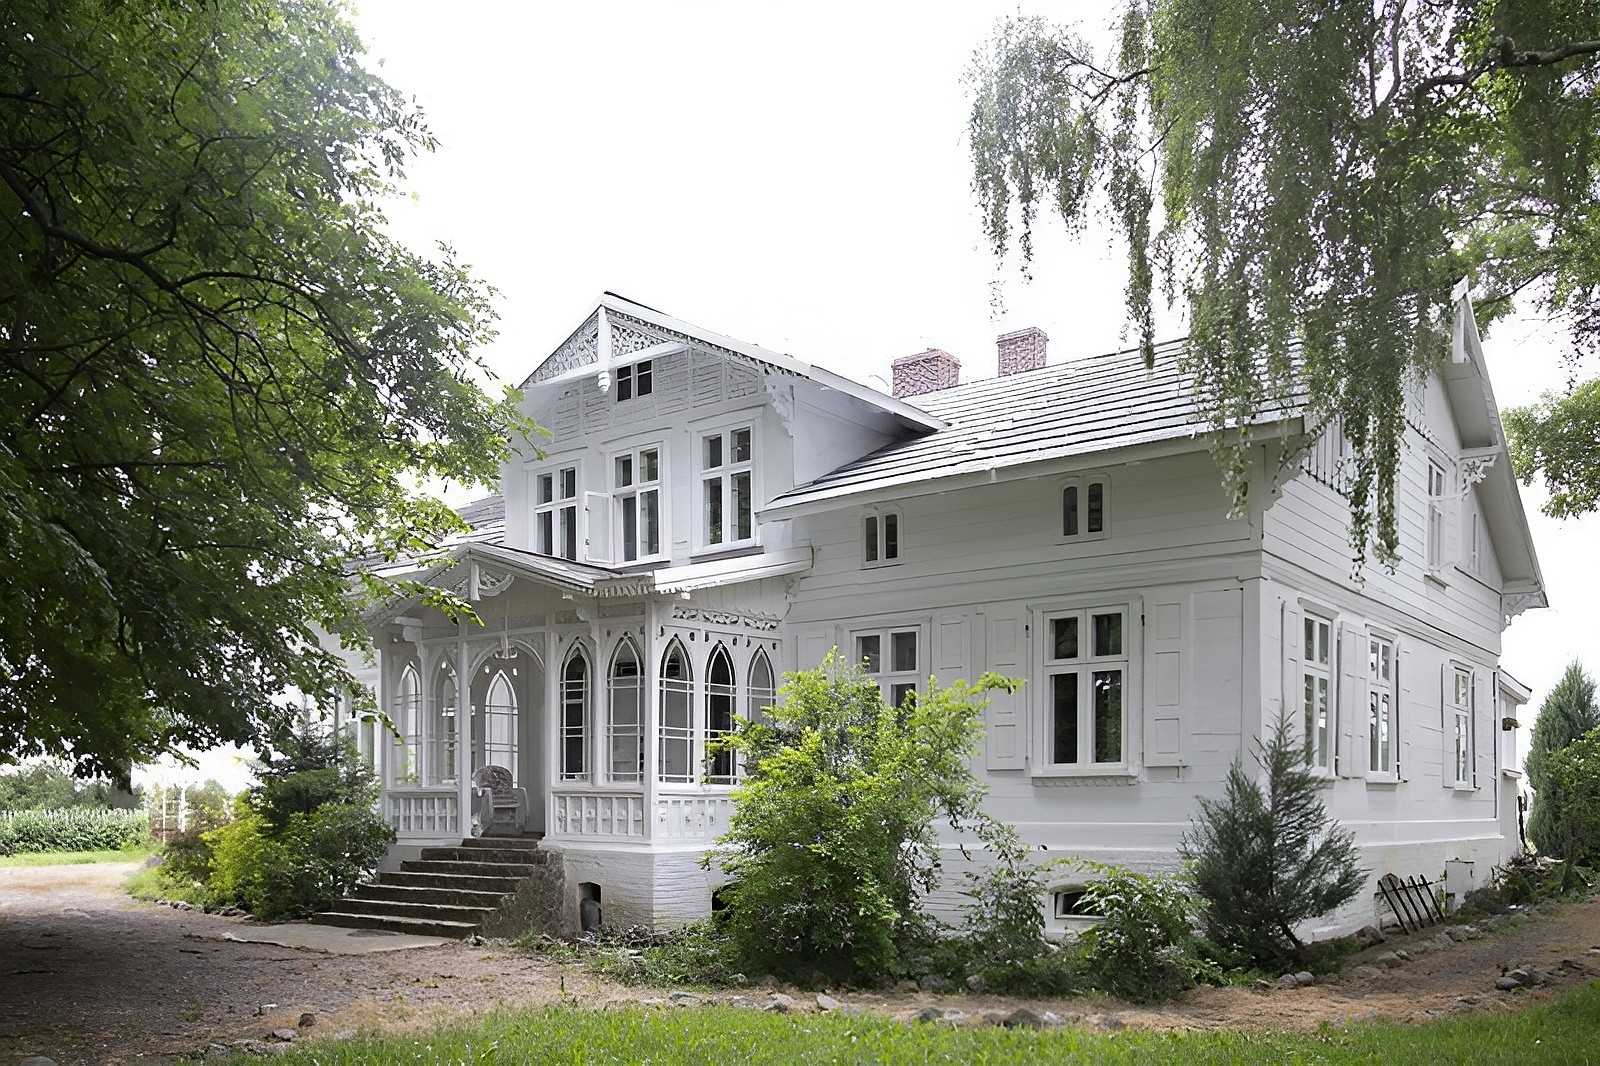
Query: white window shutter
1005	720
1397	723
812	645
1293	682
1447	753
1472	728
950	647
1164	680
597	508
1353	751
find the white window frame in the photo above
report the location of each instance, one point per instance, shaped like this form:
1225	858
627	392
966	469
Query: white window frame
1081	487
873	528
1459	698
684	735
1083	668
708	735
892	682
719	480
562	510
1434	529
1378	715
638	380
1062	919
616	730
577	698
759	697
636	491
1318	671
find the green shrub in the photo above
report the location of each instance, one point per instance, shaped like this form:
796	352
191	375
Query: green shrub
1140	946
1572	799
831	841
1268	856
72	829
46	786
1567	713
1003	922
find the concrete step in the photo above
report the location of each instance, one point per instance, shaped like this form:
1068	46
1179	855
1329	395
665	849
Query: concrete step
474	916
472	882
450	897
481	869
526	840
523	856
416	926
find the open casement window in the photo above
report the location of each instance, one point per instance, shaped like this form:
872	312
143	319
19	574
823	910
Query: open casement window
881	543
1085	658
763	689
625	720
1085	508
1316	691
1459	693
634	380
1383	702
721	692
727	497
890	657
1435	546
408	720
677	715
575	717
555	513
440	763
636	491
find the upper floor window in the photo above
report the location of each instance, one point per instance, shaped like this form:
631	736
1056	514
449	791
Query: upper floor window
880	537
555	509
1316	669
889	657
727	512
1085	508
1085	669
636	487
1459	726
1436	510
635	380
1381	703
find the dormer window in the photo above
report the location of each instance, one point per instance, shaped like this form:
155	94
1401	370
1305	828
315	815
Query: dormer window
637	379
880	537
1085	508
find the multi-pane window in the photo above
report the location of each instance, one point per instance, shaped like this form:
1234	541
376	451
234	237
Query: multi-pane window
408	717
555	513
677	716
1381	703
637	379
1436	512
636	485
721	691
1086	669
1316	671
880	538
727	505
1460	726
624	722
889	657
763	690
441	740
1085	508
575	717
495	724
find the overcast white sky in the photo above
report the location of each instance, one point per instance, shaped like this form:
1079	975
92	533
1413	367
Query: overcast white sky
795	176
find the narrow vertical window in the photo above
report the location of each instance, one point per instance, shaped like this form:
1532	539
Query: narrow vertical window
721	691
727	502
870	538
1069	511
1436	503
891	536
677	716
1460	726
624	723
555	502
881	544
636	486
1095	519
408	717
1085	508
575	717
1317	681
1380	706
763	688
441	768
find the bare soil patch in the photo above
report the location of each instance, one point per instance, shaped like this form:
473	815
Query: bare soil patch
89	975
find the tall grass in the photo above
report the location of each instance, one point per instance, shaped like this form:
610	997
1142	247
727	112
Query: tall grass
72	829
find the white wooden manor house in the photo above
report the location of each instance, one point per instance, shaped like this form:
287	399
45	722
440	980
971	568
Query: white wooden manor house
710	514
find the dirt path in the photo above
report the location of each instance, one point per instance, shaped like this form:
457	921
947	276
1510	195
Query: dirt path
88	975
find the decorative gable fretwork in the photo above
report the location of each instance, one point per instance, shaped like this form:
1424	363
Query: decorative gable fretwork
580	349
756	620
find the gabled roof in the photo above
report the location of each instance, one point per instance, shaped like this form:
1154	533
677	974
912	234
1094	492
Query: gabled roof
1082	407
619	329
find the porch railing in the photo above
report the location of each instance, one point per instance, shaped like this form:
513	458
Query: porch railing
598	814
423	813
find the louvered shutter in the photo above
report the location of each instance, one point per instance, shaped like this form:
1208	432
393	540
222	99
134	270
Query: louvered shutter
1005	720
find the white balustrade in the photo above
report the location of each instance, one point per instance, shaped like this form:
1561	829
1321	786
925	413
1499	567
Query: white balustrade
423	813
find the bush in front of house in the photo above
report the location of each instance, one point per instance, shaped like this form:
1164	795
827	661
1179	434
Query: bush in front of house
1567	713
1142	944
1268	856
1572	796
72	829
306	834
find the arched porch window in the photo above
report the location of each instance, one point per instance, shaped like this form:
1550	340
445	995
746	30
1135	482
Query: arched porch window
677	715
408	720
721	690
575	716
498	724
624	722
763	688
441	738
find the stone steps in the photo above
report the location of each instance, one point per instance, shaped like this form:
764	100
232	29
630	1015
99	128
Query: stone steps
449	891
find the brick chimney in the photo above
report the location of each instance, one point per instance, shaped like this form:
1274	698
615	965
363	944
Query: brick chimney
1021	350
926	371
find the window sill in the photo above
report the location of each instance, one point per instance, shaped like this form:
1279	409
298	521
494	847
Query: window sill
1382	780
1436	577
1506	771
1113	775
880	566
1457	787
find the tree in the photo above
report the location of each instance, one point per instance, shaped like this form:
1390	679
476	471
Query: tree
1567	713
1572	779
48	786
831	841
220	378
1268	857
1310	183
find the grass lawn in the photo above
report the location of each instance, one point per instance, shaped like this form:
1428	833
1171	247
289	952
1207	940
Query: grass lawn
73	858
1566	1032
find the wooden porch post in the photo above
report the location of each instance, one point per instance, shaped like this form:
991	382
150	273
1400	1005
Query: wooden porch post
552	725
463	732
651	716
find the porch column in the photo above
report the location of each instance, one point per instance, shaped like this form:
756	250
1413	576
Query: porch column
651	717
463	732
381	754
552	725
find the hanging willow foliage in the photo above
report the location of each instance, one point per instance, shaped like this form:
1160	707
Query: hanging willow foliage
1309	183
